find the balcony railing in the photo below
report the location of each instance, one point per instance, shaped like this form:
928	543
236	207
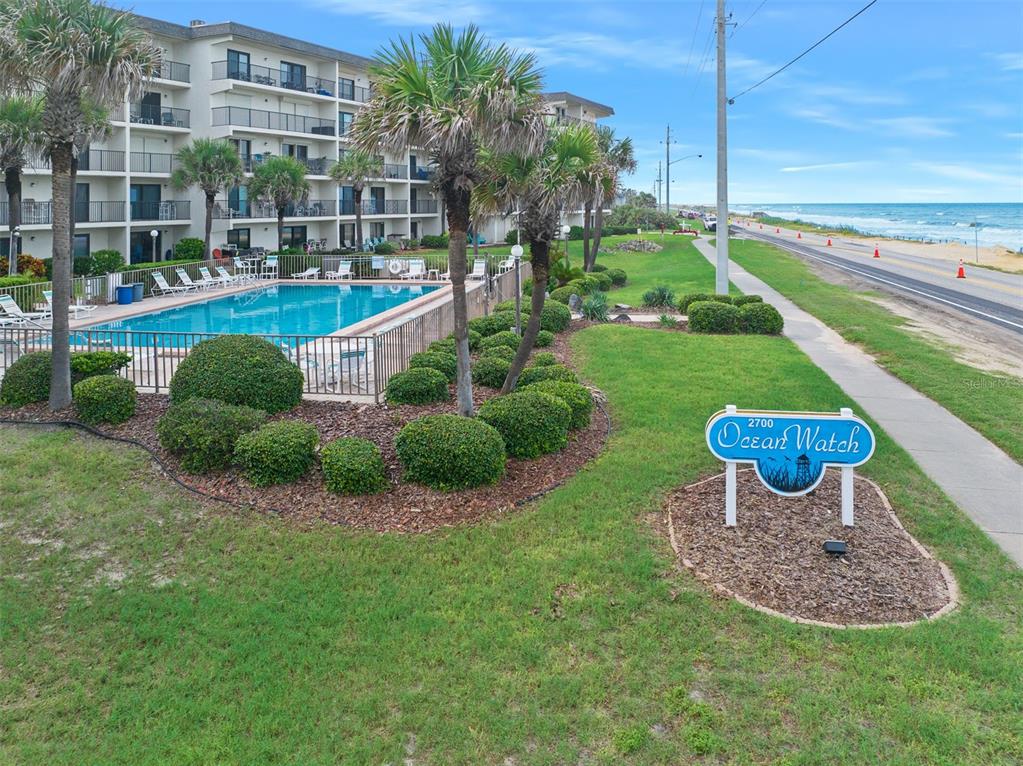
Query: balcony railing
165	210
257	118
147	162
423	174
314	208
275	78
315	166
173	70
423	206
376	207
167	116
31	213
108	160
354	92
99	212
392	171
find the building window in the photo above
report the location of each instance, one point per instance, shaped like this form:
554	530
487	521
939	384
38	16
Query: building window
238	65
348	233
414	233
376	229
240	238
344	122
346	88
5	249
80	247
346	200
294	236
292	75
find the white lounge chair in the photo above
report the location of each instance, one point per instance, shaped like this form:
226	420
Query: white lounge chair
75	308
162	287
311	273
243	269
416	270
506	265
344	271
479	269
12	310
227	277
187	281
269	270
211	280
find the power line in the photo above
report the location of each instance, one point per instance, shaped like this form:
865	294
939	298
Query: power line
748	19
692	41
782	69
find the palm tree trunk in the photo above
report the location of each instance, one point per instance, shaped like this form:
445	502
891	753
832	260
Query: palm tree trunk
280	229
72	207
598	228
210	200
458	227
540	262
587	215
60	374
357	198
12	180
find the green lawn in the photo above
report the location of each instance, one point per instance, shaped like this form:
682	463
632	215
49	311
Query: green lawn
678	265
991	403
138	628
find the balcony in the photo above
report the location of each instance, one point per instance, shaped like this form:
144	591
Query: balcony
423	174
99	212
376	207
165	116
164	210
257	118
394	172
423	206
351	92
32	213
315	166
148	162
314	208
101	160
274	78
173	70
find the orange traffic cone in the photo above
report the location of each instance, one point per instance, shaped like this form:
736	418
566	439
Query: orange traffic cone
876	253
799	235
961	274
829	243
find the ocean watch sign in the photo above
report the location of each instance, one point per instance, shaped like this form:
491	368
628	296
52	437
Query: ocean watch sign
790	450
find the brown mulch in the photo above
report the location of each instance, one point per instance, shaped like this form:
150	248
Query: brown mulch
406	507
774	557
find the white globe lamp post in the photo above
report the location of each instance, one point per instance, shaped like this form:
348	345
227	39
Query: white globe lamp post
516	253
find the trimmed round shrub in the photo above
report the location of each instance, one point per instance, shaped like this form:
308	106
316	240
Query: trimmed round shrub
501	352
555	317
544	338
691	298
105	399
418	385
447	364
563	294
604	281
239	369
543	359
598	267
495	323
760	319
618	277
277	453
203	432
659	297
713	317
532	375
508	305
742	300
590	283
577	397
449	452
532	423
353	466
443	346
28	379
503	338
474	340
490	371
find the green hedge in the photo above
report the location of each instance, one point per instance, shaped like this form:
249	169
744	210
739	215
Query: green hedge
564	294
28	379
434	241
713	317
532	375
742	300
500	352
495	323
418	385
532	423
760	319
353	466
445	363
618	277
604	281
490	371
277	453
555	317
576	396
203	432
690	298
105	399
544	338
503	338
543	359
239	369
449	452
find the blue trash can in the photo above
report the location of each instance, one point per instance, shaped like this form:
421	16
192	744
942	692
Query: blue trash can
137	291
125	293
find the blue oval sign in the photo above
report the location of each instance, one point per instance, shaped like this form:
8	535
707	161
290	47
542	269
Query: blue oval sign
790	450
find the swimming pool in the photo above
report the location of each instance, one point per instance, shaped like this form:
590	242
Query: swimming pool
277	310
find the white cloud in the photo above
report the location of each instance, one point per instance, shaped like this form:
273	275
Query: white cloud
827	116
1010	62
826	166
411	12
970	173
914	127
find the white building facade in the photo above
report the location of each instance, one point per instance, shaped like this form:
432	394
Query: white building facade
269	95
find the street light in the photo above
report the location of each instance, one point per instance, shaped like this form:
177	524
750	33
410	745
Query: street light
153	235
687	157
565	229
516	253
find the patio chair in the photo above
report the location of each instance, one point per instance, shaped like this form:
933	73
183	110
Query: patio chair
11	309
75	308
188	282
479	269
242	269
211	280
416	270
311	273
344	271
269	270
227	277
162	287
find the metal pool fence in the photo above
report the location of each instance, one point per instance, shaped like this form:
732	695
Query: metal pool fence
340	366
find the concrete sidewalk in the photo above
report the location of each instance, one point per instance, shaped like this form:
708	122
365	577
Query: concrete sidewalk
982	480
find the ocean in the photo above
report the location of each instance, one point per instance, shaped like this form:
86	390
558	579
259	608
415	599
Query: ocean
997	223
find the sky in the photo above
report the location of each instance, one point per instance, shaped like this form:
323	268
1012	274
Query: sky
913	101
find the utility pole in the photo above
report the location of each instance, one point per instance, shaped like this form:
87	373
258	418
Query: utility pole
667	169
658	185
721	276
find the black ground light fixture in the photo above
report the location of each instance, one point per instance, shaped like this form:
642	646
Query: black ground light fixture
834	547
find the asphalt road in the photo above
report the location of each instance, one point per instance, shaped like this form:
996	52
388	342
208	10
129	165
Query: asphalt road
991	296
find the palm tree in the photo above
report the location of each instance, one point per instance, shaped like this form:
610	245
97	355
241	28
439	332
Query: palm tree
279	181
457	94
356	167
618	158
75	53
213	165
540	184
19	131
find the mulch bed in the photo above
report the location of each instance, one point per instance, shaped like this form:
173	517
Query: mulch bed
774	557
406	507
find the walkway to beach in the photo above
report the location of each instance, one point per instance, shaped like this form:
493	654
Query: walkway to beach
981	479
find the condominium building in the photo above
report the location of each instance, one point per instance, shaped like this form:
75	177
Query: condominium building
269	95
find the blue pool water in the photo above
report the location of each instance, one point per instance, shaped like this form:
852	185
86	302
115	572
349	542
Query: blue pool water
277	310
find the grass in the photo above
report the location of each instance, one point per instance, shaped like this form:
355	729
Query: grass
138	628
991	403
678	266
